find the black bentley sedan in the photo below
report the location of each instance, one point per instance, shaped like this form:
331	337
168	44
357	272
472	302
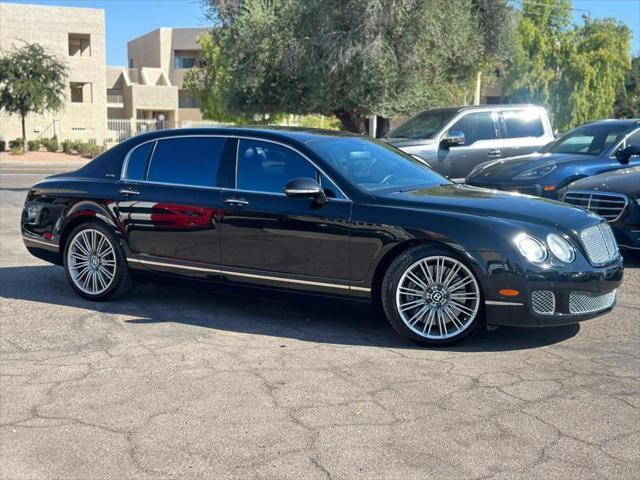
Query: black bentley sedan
328	213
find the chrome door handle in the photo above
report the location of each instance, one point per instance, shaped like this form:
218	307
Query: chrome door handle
129	191
494	153
236	202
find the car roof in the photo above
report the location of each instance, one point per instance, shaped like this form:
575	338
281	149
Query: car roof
615	122
300	134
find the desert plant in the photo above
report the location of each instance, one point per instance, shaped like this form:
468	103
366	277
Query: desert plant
17	143
66	146
3	145
51	144
34	145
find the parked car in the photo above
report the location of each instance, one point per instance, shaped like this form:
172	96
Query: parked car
454	140
615	196
328	213
587	150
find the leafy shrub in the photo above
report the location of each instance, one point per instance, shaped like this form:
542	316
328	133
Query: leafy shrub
34	145
17	143
51	144
3	145
17	150
67	147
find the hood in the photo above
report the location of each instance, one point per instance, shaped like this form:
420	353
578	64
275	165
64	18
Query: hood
409	142
510	167
625	180
482	202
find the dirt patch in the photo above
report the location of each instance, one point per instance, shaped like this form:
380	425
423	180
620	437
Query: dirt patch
30	157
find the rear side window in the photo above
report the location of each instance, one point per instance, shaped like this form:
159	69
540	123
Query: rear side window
521	123
475	126
268	167
137	164
187	161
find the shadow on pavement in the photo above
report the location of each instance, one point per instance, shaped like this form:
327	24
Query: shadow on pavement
257	311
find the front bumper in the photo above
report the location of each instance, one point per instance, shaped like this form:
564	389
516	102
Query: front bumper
580	292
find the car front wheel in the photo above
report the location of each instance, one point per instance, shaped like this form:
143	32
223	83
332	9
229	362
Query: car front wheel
431	296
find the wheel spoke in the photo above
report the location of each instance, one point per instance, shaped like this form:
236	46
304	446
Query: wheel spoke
411	292
414	278
409	305
461	307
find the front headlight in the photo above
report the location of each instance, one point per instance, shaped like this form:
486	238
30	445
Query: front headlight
535	173
561	248
531	248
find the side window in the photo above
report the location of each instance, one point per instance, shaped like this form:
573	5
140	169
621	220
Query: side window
475	126
187	161
521	123
330	189
633	139
267	167
137	165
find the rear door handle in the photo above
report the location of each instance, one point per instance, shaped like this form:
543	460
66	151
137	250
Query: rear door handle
236	202
129	191
494	153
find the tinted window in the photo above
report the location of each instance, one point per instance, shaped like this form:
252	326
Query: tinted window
522	123
187	161
475	126
374	165
137	166
423	125
633	139
267	167
589	139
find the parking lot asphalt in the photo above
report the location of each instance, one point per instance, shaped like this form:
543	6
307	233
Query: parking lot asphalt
202	382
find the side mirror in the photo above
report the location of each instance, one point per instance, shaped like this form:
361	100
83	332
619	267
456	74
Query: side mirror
453	138
625	154
305	188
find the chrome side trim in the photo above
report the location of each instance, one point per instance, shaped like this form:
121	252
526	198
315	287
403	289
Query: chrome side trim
41	242
248	275
496	302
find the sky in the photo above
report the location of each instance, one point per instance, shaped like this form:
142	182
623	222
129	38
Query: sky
128	19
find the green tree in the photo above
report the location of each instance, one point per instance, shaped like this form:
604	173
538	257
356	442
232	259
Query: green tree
31	81
628	98
573	70
349	58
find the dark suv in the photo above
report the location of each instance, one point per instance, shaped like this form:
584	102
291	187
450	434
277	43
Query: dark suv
454	140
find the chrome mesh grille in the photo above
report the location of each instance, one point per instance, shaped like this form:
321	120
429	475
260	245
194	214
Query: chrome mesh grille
543	302
607	205
599	243
589	302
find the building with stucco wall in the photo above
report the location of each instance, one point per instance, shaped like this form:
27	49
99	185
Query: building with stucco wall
75	35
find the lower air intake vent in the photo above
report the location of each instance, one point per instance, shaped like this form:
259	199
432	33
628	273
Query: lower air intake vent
543	302
588	302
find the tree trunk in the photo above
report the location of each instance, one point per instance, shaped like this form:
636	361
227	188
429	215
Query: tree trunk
24	134
384	125
351	121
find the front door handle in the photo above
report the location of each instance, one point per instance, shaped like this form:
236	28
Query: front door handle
129	191
494	153
236	202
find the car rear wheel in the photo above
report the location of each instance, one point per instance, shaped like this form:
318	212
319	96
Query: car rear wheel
431	296
95	264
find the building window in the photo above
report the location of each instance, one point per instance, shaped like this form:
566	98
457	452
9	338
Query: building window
186	100
185	62
131	63
81	92
79	45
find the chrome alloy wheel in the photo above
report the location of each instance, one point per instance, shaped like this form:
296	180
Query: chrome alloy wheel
437	297
91	261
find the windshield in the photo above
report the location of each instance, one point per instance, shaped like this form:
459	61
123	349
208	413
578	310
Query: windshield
375	166
588	139
423	125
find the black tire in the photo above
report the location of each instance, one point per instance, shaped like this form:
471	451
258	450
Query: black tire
122	281
393	277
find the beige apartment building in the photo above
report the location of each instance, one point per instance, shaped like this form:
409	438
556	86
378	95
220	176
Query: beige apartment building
76	35
152	84
104	104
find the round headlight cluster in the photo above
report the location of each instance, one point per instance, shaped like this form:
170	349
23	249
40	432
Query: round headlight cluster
531	248
561	248
536	251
